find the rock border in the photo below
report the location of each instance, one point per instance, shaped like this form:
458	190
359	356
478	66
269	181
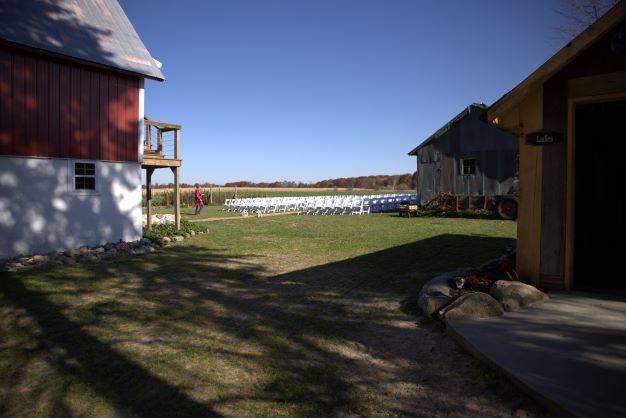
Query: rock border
445	297
87	254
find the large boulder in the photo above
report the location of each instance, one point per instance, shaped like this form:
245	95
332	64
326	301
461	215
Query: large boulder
438	293
472	306
514	295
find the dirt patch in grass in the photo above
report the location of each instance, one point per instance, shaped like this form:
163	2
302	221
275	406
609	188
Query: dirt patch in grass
277	317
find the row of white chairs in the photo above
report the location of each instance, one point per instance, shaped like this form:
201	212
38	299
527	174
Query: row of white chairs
320	205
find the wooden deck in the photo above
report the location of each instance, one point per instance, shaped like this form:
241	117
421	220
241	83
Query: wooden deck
155	162
161	149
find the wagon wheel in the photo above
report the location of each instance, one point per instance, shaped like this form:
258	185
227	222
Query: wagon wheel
507	208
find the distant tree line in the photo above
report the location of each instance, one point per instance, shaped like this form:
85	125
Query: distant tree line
406	181
396	181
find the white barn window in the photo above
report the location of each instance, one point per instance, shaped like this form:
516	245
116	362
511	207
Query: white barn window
84	176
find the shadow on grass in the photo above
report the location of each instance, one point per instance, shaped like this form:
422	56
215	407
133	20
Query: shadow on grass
131	388
188	306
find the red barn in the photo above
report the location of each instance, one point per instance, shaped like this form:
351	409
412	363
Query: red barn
71	124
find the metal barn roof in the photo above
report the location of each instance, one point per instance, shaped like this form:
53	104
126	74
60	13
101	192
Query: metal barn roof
95	31
445	128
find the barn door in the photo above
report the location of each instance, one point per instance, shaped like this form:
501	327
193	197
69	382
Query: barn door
600	186
437	183
427	182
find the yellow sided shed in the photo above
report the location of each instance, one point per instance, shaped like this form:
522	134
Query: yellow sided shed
570	116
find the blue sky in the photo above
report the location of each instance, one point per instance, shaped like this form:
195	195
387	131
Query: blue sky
301	90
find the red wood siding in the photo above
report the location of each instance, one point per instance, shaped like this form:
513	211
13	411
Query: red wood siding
53	108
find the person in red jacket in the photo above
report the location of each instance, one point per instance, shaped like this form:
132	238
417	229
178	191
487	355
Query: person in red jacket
199	202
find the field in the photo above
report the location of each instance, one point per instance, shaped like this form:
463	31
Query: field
285	191
288	316
165	196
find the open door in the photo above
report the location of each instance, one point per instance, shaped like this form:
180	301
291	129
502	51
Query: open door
600	188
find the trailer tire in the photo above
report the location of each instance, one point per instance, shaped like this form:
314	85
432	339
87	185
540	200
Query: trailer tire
507	208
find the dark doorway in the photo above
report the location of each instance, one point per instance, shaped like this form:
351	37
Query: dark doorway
600	187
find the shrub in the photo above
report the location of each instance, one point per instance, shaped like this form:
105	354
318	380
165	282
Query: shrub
157	232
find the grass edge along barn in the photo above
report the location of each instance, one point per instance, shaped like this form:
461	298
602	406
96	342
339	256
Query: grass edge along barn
569	117
71	125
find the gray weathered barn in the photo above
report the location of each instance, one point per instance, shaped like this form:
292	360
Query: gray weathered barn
467	156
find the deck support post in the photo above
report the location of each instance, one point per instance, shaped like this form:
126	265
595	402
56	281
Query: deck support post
176	171
177	178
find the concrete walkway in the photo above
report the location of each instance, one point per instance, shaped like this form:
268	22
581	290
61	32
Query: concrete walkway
569	352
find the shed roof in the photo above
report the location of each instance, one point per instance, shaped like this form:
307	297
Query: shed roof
94	31
466	112
564	56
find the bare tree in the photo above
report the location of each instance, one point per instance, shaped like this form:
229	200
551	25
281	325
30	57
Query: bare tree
579	15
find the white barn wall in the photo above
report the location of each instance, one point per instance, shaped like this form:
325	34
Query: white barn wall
40	212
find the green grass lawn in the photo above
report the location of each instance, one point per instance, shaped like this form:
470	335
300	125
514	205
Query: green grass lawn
260	317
